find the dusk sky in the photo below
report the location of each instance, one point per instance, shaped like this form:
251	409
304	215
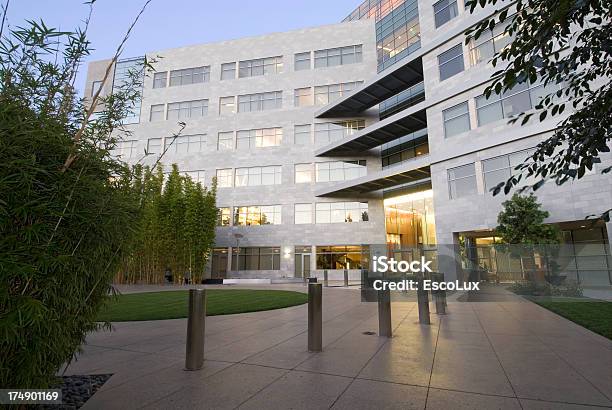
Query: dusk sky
174	23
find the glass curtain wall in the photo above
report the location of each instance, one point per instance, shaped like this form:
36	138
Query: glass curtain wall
398	33
410	221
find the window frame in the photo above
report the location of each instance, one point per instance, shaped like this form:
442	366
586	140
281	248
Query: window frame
450	60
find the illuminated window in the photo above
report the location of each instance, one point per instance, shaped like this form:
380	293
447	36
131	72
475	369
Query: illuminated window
224	216
257	215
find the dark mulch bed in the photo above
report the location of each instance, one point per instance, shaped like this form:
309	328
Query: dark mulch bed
76	390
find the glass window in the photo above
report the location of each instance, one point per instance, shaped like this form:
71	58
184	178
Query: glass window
450	62
228	71
303	214
160	79
324	94
522	97
302	134
261	66
340	170
259	138
302	61
456	119
227	105
327	132
225	140
154	145
224	178
489	43
95	86
255	176
187	109
257	215
342	257
260	102
462	181
198	176
256	259
303	173
338	56
303	97
500	169
444	11
124	149
340	212
186	143
157	112
126	72
224	216
187	76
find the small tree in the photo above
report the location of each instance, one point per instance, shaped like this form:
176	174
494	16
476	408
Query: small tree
522	228
522	222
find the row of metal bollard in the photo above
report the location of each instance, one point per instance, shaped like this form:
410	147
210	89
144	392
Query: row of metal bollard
196	322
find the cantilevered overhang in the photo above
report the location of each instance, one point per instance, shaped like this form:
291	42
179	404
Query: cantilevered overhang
416	170
386	84
404	122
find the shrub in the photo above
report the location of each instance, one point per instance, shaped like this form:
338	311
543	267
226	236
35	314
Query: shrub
66	205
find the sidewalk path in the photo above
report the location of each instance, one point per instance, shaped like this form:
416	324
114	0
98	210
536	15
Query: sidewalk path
507	354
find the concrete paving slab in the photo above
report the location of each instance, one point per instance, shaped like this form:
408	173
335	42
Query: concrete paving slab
374	395
446	399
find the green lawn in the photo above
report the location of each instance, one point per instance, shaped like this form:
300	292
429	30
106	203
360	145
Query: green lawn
173	304
595	315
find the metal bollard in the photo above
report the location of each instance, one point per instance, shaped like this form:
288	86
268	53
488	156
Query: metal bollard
440	295
346	278
196	323
315	317
384	313
325	278
423	302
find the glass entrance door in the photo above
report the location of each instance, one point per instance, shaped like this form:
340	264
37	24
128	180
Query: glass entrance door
303	259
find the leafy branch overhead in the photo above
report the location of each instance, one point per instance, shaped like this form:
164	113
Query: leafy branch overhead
565	45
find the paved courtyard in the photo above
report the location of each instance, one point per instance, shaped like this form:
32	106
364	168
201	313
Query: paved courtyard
507	354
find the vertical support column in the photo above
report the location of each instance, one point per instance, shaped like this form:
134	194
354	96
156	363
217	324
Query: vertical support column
423	302
325	278
315	317
346	278
196	324
440	295
384	313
